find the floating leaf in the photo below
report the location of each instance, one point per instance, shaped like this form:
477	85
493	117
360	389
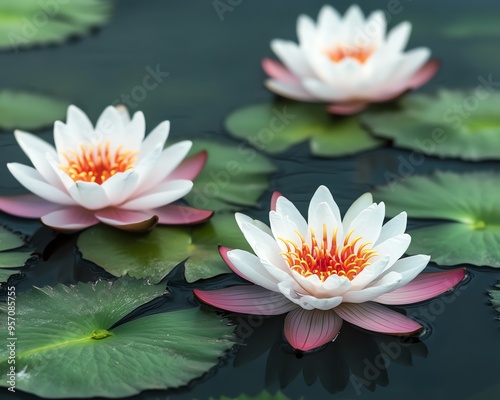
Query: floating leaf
495	298
10	259
70	345
232	178
275	127
32	22
466	26
453	124
466	207
22	110
153	255
265	395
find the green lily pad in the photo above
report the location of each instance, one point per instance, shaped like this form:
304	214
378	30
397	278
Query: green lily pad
31	22
10	260
265	395
153	255
68	343
452	124
467	230
22	110
495	298
275	127
233	178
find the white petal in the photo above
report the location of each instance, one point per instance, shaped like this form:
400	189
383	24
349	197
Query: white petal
328	23
66	139
364	201
291	91
292	57
284	230
251	267
370	273
306	31
395	226
412	61
241	218
394	247
157	137
121	186
163	194
77	121
110	127
384	285
323	195
333	286
135	131
308	302
352	23
375	28
89	195
285	207
368	224
32	180
398	37
323	223
409	268
325	92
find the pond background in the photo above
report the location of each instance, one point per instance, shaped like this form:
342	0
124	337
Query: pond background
213	66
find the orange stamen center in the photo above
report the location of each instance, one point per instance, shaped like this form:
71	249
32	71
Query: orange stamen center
323	260
96	162
339	53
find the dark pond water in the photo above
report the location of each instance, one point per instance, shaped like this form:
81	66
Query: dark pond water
214	67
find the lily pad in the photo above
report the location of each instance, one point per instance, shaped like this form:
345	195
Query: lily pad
454	124
233	178
265	395
465	207
70	342
153	255
275	127
23	110
32	22
10	260
495	298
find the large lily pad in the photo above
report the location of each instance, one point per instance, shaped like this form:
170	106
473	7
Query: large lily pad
495	297
32	22
10	260
233	178
275	127
70	345
23	110
153	255
452	124
467	230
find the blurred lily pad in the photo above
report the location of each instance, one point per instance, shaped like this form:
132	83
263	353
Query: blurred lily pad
153	255
233	178
78	327
265	395
495	297
465	207
10	260
23	110
451	124
467	25
28	23
275	127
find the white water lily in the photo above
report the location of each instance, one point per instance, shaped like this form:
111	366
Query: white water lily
328	269
347	61
110	174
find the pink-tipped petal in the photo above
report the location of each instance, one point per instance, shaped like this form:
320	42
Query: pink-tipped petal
377	318
27	206
308	329
223	253
246	299
346	109
424	74
423	287
70	219
278	71
274	200
173	214
131	221
190	168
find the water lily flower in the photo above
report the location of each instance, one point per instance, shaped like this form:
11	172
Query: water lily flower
109	174
327	269
347	61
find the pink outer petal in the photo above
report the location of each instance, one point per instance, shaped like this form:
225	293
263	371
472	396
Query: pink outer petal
423	75
278	71
346	109
173	214
223	253
70	219
274	200
190	168
375	317
308	329
246	299
132	221
423	287
27	206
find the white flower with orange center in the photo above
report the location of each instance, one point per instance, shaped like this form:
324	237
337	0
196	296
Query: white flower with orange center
328	269
347	61
110	174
